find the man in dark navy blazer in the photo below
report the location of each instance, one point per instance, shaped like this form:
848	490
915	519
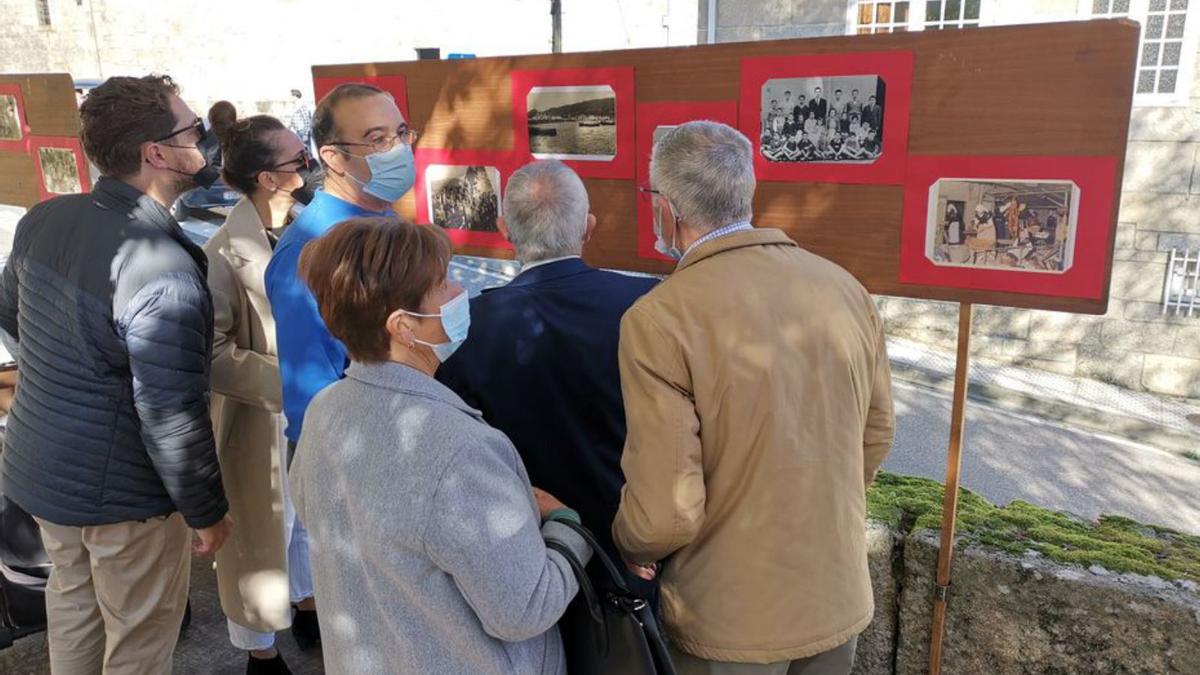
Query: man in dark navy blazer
540	361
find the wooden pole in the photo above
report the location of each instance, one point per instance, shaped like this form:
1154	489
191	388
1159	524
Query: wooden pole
950	502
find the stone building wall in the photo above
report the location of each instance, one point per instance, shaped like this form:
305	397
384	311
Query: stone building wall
254	52
1133	344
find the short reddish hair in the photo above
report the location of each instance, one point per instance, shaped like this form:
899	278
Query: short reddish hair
366	268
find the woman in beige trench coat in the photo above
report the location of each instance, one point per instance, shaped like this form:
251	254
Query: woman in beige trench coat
268	164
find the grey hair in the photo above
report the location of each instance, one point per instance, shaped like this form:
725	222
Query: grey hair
546	208
706	170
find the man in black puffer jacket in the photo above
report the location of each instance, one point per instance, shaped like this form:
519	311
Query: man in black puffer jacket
110	444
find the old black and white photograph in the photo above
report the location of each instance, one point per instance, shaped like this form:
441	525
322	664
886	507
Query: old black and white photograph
823	119
576	122
10	118
1002	224
60	171
464	197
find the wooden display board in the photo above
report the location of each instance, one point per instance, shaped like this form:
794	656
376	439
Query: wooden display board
987	170
1042	102
40	152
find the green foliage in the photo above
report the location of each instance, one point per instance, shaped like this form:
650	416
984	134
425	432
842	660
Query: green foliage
1115	543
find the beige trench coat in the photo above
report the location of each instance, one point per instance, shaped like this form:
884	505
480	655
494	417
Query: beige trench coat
252	572
758	397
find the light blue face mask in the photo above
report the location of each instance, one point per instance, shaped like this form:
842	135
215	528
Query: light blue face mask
671	251
456	321
392	173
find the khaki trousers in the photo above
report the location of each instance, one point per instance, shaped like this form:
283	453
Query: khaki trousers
116	595
836	661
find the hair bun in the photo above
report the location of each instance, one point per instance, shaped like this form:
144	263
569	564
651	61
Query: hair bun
221	117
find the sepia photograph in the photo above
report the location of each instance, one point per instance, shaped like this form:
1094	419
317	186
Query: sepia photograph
578	122
823	119
1010	225
60	171
10	118
463	197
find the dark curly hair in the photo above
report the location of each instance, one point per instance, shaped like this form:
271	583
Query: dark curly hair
122	114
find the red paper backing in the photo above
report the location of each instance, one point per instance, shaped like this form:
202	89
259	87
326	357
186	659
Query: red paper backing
1096	179
22	145
622	82
665	113
396	85
896	69
72	144
503	161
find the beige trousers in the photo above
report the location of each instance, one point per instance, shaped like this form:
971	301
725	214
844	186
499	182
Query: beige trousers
836	661
116	595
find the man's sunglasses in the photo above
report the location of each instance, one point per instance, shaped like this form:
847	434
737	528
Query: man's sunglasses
198	125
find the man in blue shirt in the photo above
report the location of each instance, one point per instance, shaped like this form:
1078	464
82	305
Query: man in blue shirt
366	148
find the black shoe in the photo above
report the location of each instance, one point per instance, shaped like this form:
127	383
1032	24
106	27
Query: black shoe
305	629
274	666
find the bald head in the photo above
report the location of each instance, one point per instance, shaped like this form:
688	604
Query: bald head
546	211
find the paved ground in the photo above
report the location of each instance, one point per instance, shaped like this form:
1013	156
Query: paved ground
1011	455
203	648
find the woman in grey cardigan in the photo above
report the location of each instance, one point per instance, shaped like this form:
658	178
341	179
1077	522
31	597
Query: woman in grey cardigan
426	537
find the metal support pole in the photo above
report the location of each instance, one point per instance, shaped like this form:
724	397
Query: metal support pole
950	502
556	19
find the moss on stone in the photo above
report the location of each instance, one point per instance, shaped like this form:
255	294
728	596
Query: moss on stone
1115	543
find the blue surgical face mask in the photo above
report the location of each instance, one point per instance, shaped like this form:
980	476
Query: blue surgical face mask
392	173
670	250
456	321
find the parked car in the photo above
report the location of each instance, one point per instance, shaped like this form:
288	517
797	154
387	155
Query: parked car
197	202
84	86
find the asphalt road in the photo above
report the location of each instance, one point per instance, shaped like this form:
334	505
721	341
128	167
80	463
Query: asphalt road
1011	456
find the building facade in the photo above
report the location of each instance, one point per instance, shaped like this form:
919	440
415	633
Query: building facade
1135	344
253	53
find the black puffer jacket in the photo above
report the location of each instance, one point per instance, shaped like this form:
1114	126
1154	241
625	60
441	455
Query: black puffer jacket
108	299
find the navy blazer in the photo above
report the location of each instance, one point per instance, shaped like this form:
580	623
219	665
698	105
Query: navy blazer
540	362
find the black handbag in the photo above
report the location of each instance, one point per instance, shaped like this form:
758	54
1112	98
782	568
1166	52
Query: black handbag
610	635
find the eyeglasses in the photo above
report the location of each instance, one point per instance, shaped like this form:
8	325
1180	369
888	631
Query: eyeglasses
404	135
198	125
303	161
650	193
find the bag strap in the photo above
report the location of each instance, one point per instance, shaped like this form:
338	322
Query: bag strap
614	572
599	620
658	642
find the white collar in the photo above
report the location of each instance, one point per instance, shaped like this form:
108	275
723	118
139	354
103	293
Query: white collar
528	266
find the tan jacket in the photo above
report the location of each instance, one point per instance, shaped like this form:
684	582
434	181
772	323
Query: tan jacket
247	399
758	397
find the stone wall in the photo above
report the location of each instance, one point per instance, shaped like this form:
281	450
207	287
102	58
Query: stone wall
745	20
1133	345
1013	615
254	53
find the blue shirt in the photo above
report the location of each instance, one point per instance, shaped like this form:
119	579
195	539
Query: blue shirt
310	359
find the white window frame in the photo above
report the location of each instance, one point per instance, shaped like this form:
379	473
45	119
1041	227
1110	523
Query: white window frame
989	16
916	14
1187	59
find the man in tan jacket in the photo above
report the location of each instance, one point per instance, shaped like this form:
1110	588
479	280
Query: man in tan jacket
758	397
